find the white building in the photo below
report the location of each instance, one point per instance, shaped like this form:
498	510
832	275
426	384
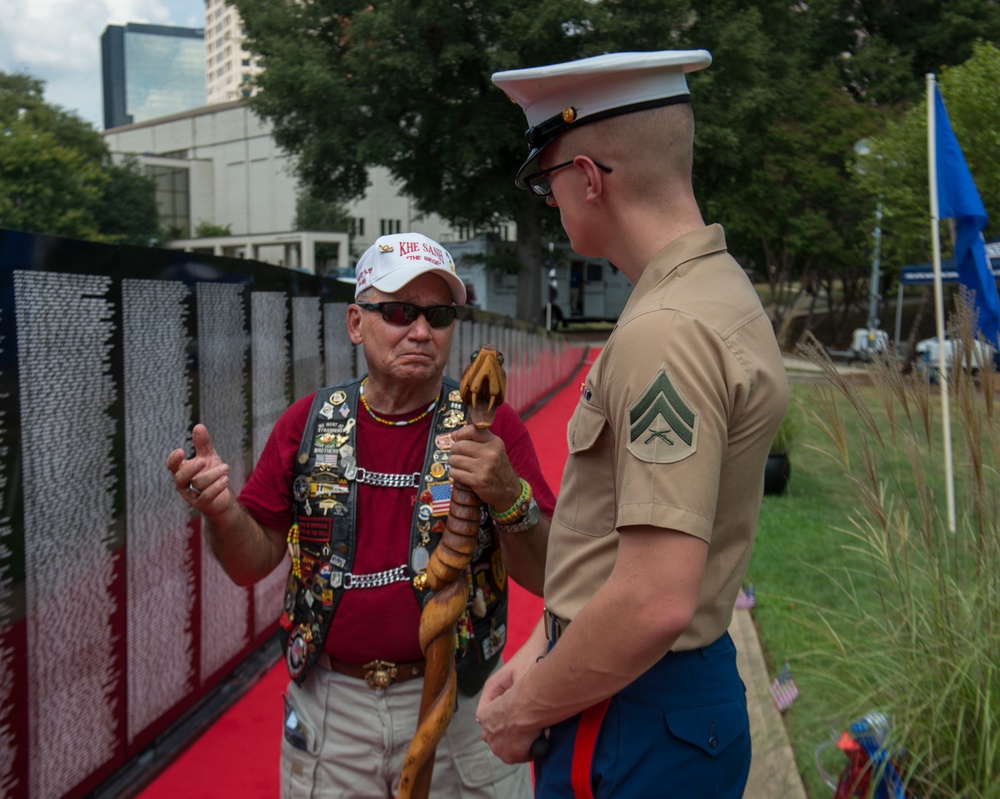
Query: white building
219	165
229	68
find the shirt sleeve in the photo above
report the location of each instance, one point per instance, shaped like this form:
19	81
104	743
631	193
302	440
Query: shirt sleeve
668	405
268	493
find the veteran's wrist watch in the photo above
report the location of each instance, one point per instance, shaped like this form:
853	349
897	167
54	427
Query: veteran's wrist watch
528	520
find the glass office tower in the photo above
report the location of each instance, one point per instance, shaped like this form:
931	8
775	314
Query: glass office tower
151	71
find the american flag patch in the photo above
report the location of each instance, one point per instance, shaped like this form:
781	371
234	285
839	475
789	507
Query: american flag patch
745	599
326	460
783	690
440	498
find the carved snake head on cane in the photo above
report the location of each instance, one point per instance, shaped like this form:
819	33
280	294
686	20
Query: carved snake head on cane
483	385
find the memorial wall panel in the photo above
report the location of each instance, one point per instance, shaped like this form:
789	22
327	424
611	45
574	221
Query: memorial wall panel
307	346
339	349
66	330
270	396
114	617
223	358
270	364
13	712
161	592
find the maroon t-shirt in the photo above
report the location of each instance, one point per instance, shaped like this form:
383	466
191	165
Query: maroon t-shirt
376	622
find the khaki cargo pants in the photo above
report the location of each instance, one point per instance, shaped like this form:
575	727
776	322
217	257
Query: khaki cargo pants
343	738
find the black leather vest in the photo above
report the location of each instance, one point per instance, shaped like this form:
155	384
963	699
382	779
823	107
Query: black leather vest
325	485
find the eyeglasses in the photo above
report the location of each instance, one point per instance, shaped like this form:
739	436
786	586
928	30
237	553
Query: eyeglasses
404	314
542	186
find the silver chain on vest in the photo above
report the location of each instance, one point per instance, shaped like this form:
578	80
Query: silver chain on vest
386	480
376	580
398	574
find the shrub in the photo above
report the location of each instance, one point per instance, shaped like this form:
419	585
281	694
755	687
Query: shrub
927	651
784	439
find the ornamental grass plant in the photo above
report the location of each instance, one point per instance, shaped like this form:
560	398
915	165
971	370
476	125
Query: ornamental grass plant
791	425
908	623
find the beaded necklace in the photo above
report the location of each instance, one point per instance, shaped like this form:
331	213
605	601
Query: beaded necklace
403	423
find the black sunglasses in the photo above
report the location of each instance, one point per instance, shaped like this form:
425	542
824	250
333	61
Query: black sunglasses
542	186
405	314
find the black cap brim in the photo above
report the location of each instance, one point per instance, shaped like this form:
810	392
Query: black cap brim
530	166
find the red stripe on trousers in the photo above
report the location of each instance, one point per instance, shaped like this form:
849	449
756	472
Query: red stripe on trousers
583	748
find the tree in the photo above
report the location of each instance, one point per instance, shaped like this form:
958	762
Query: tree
46	187
775	129
57	176
312	213
791	88
407	86
208	230
22	97
969	93
126	212
897	44
350	85
50	172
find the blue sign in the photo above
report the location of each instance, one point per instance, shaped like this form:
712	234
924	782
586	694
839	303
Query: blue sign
921	274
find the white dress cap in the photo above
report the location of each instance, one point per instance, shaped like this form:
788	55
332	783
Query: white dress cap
395	260
557	97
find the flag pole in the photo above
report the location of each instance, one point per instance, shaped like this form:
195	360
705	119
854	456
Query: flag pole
943	376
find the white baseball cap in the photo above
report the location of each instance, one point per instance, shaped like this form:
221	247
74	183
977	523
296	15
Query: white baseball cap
394	260
557	97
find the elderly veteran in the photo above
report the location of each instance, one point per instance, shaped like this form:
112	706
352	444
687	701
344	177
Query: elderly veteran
636	689
354	483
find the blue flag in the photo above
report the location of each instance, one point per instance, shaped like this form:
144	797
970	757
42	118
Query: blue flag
959	198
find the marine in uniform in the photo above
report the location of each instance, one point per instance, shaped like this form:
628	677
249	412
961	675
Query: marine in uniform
630	679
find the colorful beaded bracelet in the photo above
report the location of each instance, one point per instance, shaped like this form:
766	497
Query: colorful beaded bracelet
515	511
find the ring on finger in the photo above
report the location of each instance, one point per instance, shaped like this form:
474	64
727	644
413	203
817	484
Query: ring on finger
193	490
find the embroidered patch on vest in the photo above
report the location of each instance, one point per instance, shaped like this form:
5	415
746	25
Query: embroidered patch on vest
663	428
315	529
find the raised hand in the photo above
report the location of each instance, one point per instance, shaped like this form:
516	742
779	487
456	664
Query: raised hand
203	480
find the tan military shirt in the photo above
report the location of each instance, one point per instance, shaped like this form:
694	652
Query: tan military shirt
672	430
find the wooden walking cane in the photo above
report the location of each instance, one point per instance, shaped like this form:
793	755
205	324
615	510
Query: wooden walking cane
482	386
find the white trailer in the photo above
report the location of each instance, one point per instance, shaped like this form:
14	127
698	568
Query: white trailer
580	289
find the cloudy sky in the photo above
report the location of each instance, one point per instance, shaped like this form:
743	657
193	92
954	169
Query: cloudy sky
59	41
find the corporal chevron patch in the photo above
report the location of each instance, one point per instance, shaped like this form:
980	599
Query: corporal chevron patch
663	427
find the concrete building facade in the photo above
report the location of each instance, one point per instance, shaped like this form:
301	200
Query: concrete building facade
219	165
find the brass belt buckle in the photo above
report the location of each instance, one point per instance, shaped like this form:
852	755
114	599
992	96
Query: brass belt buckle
381	673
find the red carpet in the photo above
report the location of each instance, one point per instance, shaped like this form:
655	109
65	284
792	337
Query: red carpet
238	755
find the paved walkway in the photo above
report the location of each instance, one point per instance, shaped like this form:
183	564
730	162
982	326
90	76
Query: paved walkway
773	774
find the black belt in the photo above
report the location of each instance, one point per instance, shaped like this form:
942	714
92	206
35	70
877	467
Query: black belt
377	673
554	626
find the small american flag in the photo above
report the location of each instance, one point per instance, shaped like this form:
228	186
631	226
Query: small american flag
745	599
440	498
783	690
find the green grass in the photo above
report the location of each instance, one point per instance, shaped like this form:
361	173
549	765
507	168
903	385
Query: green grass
872	601
797	555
